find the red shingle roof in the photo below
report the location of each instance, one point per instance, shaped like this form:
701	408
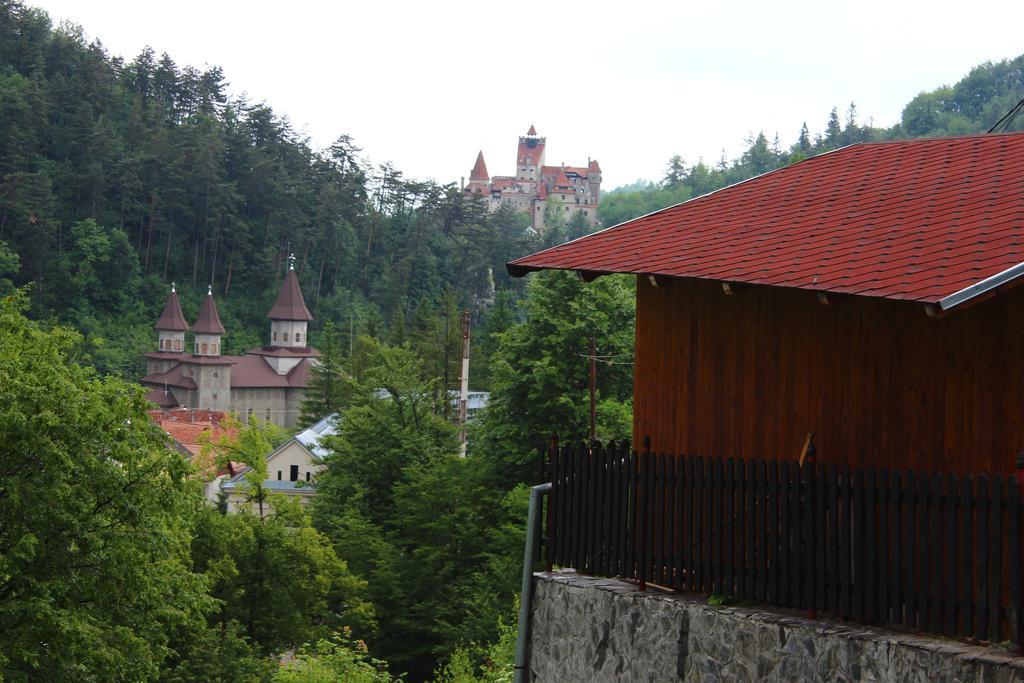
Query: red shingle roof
254	372
209	320
532	131
172	378
479	171
290	305
172	320
916	220
594	166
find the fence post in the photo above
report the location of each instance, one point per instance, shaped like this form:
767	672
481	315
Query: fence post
1017	628
553	474
809	522
645	496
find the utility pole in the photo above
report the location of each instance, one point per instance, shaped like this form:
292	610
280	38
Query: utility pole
464	386
593	390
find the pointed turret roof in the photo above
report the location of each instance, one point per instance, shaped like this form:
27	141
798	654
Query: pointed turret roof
172	320
594	166
479	171
290	305
532	131
209	320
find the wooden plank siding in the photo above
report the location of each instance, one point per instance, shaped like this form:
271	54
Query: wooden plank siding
878	381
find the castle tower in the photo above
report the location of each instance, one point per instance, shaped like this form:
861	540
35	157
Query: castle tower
530	156
208	328
478	177
171	327
289	315
594	180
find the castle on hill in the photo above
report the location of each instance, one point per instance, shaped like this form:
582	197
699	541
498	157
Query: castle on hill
268	381
573	189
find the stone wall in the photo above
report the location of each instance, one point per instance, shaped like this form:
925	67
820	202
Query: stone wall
591	629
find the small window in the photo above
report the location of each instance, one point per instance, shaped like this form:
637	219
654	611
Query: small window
266	415
275	336
177	345
248	413
216	374
285	335
215	397
161	344
213	350
307	476
298	337
204	347
293	474
279	475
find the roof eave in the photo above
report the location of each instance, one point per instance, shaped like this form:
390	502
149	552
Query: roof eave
988	286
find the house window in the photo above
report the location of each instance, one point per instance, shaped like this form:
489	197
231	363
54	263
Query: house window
213	348
275	336
279	475
298	337
177	345
248	413
293	474
215	397
216	374
285	336
266	415
204	347
161	344
307	476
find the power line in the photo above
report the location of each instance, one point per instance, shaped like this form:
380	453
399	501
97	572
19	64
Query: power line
1007	118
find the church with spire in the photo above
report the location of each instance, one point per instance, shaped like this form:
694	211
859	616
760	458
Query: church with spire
268	381
571	189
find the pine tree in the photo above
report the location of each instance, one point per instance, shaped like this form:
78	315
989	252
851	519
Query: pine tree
326	390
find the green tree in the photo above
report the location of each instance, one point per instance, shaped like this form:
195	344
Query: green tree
540	372
95	521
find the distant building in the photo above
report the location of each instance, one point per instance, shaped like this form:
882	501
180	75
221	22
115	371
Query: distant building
187	429
291	468
268	381
575	189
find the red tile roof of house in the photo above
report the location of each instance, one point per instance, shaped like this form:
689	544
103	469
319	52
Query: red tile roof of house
479	171
562	180
172	320
933	220
290	305
209	320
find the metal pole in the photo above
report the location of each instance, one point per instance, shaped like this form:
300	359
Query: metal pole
464	384
809	521
526	588
593	390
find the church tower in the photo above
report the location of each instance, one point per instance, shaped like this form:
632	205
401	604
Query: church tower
478	177
288	320
171	327
208	329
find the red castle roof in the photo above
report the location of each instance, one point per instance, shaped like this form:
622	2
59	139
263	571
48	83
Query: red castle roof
290	305
594	166
479	171
532	131
936	220
172	320
209	320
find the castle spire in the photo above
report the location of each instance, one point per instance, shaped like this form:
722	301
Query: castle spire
532	131
479	172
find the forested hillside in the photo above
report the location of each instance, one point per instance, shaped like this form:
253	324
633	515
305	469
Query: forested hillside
119	176
973	105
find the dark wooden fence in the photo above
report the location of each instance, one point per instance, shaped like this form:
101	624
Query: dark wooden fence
920	550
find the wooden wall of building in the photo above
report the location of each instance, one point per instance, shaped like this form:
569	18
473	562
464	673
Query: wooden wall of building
879	382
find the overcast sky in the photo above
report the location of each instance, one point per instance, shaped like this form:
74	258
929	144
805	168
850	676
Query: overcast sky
426	84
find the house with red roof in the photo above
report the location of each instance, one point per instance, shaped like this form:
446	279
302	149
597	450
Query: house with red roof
267	382
573	189
868	296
